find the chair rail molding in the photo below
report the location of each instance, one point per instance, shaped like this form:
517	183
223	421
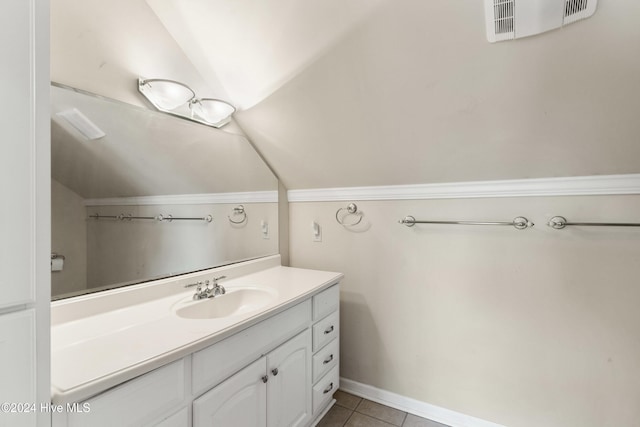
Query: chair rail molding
535	187
188	199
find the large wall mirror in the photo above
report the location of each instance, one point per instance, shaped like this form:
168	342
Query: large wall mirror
156	196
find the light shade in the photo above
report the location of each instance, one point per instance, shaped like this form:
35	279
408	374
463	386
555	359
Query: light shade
212	111
165	95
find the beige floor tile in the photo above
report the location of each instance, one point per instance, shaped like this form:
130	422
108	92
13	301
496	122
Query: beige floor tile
414	421
336	417
361	420
381	412
346	400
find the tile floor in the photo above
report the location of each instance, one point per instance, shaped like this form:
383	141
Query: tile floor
353	411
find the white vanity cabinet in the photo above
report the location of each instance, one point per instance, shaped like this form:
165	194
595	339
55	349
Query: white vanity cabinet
326	347
278	372
273	391
146	400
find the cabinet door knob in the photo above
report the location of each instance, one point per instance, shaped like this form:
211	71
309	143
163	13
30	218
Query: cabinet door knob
328	359
328	330
274	371
328	389
265	379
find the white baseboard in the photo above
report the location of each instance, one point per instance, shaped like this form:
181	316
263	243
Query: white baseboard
412	406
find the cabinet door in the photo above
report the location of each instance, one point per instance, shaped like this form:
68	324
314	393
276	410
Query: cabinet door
289	386
239	401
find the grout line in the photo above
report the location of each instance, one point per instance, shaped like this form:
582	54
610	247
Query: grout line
350	415
406	414
380	419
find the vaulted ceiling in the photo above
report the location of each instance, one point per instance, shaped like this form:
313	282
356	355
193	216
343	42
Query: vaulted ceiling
349	93
379	92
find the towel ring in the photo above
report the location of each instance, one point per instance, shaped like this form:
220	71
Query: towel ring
238	210
352	209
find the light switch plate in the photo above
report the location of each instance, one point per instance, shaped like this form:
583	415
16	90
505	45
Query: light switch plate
316	232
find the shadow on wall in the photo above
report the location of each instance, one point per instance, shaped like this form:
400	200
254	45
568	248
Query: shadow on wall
358	331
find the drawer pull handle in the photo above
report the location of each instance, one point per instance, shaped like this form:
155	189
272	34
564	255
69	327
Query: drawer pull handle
328	330
327	360
328	389
274	371
265	379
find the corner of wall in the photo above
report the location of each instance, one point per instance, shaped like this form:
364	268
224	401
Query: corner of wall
283	223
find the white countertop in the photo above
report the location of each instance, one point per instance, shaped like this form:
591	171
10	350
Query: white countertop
94	352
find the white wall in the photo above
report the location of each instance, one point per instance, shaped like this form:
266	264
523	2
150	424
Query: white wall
103	47
522	328
68	238
123	251
415	94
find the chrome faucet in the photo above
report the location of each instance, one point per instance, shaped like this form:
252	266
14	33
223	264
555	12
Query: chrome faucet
208	292
217	288
200	293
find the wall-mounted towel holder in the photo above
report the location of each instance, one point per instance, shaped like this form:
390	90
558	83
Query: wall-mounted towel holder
560	222
351	209
159	218
519	222
238	210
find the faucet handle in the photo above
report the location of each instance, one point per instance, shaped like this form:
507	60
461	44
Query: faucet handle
215	279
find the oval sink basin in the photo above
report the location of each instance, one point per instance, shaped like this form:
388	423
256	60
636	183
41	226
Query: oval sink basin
233	303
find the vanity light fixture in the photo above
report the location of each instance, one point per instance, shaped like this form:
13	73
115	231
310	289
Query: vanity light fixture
171	97
215	112
82	124
165	95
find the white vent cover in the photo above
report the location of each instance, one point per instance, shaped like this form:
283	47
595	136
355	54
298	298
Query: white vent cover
512	19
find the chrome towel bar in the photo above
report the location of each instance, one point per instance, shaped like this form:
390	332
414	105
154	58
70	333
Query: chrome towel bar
519	223
168	218
560	222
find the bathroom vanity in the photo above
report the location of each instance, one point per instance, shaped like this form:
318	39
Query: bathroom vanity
266	353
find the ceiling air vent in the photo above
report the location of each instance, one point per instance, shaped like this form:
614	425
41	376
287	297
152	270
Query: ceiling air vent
512	19
575	10
503	19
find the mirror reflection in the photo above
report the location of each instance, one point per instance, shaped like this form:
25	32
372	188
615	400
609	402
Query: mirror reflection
139	195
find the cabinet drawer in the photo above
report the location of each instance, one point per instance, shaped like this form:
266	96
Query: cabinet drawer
326	302
325	330
325	359
140	401
325	388
216	363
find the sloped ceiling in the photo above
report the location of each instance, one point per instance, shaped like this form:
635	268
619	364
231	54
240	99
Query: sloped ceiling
145	153
103	47
353	93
